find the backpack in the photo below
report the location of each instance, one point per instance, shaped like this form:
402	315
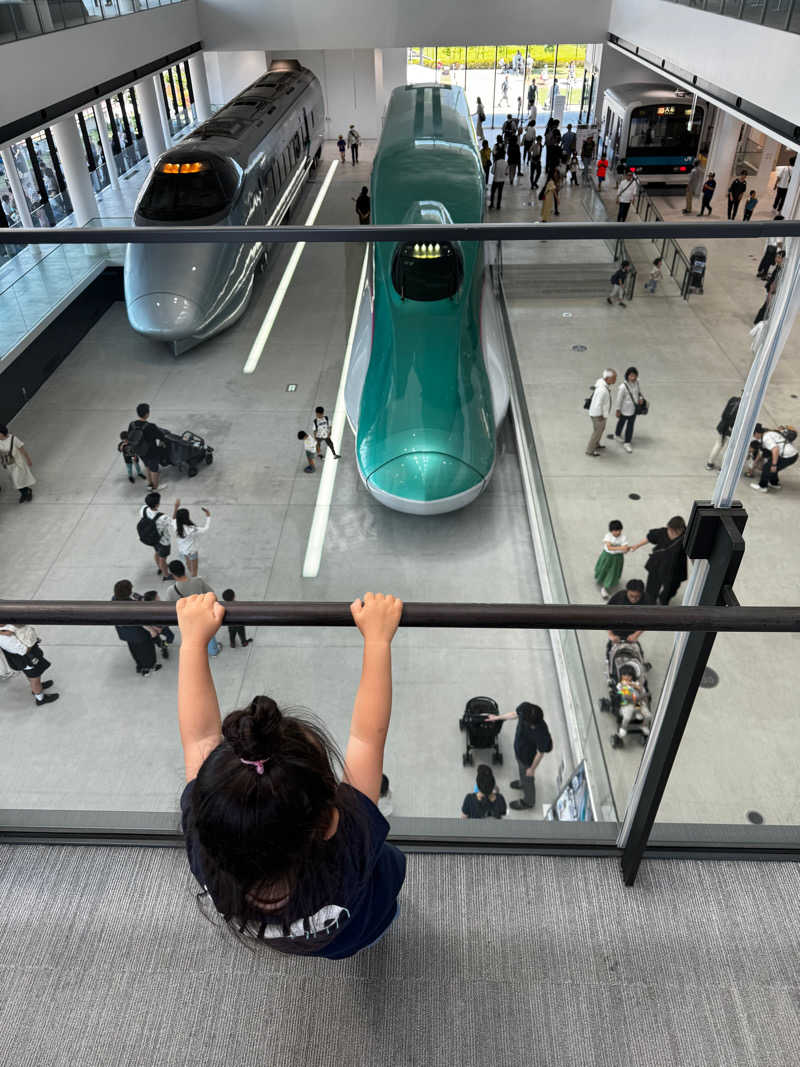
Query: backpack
135	434
147	530
728	417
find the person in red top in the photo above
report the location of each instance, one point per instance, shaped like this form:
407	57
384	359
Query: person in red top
602	167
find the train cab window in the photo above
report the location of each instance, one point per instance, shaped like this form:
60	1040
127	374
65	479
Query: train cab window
665	126
427	271
184	190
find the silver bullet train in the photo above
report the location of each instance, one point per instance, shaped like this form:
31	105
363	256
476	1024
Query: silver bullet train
245	166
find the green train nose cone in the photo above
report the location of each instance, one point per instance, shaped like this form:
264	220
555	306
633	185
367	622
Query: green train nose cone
423	477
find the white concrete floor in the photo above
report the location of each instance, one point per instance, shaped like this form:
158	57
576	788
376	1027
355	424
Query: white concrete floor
740	749
111	742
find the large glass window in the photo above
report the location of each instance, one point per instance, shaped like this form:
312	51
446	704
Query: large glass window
95	158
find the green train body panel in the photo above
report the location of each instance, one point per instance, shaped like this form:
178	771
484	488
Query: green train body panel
426	425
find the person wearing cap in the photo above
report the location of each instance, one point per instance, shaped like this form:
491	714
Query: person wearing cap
531	743
778	450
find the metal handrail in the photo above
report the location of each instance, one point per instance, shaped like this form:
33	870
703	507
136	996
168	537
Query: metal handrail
665	241
734	619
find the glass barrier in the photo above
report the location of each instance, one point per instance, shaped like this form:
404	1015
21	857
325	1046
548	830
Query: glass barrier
32	18
282	532
779	14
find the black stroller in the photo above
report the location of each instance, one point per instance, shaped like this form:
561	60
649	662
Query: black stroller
627	654
697	269
185	451
480	734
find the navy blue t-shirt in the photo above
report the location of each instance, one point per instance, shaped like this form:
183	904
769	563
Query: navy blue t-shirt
367	898
529	740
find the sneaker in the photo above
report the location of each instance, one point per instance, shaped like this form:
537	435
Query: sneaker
622	304
520	805
758	488
166	577
710	467
595	453
308	470
604	594
776	487
601	446
46	685
627	447
131	479
609	300
48	698
516	784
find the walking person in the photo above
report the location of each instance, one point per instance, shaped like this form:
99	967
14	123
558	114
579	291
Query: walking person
513	159
155	530
138	639
143	437
503	101
536	162
532	742
736	191
694	184
602	170
186	533
599	410
486	160
724	428
572	167
532	102
353	141
235	630
655	276
509	128
771	249
484	802
618	280
568	141
771	286
626	194
309	451
341	144
128	454
481	113
629	404
666	564
15	460
363	206
749	206
778	451
608	568
709	185
499	172
548	196
22	652
322	432
784	176
528	137
184	586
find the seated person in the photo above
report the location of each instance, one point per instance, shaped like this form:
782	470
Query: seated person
633	593
632	705
485	801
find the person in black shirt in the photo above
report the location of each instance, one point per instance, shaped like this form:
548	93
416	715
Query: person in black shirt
736	191
136	637
632	594
487	802
143	439
666	564
531	741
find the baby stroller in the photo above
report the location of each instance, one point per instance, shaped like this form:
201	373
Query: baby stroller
697	268
186	451
480	734
627	654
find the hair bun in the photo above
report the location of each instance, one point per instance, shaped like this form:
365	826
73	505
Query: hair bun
253	732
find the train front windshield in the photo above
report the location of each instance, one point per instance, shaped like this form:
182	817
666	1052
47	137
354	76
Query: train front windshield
427	271
664	130
182	191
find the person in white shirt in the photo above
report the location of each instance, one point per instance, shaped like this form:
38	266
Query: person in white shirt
163	524
628	188
629	395
782	183
608	568
599	410
353	141
779	452
27	658
186	535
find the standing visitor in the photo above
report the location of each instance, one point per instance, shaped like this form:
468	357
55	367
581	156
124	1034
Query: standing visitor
666	564
528	137
139	641
736	191
184	586
630	403
568	141
22	652
129	456
186	533
618	281
709	185
536	162
694	184
499	171
548	196
486	160
513	159
353	141
14	459
608	568
322	431
481	119
599	410
363	206
143	438
628	188
532	742
155	531
309	451
235	630
602	168
724	428
784	176
771	249
655	276
341	144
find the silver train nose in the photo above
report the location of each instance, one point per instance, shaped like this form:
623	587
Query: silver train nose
165	316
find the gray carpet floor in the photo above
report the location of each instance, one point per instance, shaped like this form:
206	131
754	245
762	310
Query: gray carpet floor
502	961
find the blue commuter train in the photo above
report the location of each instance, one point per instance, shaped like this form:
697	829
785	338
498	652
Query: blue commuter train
245	166
426	388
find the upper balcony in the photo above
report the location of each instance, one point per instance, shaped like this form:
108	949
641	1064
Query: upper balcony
777	14
31	18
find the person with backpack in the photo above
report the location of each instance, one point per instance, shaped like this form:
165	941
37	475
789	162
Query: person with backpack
484	801
138	638
155	530
618	280
724	427
288	849
532	742
322	432
143	437
184	586
778	451
353	140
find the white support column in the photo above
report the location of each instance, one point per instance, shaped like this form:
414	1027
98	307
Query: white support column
202	99
722	154
147	96
102	128
380	96
765	168
72	155
16	186
158	88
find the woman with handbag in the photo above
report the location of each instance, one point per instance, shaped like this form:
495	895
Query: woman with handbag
630	403
15	459
21	649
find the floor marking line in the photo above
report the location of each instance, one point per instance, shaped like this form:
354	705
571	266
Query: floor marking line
322	508
260	342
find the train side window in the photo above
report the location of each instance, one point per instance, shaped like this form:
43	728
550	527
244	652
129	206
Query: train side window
296	144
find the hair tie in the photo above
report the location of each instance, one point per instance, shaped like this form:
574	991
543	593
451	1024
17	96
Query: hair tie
257	763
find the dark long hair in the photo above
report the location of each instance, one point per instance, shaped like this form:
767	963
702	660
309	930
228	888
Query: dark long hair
261	837
182	520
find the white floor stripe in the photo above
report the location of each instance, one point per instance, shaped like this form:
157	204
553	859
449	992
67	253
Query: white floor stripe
257	349
322	509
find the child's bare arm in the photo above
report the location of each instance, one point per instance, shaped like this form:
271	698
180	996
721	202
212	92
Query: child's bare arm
199	618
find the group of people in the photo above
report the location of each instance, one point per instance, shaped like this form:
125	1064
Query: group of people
706	185
352	142
630	403
665	566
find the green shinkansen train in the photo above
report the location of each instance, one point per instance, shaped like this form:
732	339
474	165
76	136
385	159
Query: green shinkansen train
426	389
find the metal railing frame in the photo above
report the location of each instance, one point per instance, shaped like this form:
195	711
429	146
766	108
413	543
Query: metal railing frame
666	246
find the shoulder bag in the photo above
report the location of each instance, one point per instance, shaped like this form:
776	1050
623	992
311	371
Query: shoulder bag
641	405
7	458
